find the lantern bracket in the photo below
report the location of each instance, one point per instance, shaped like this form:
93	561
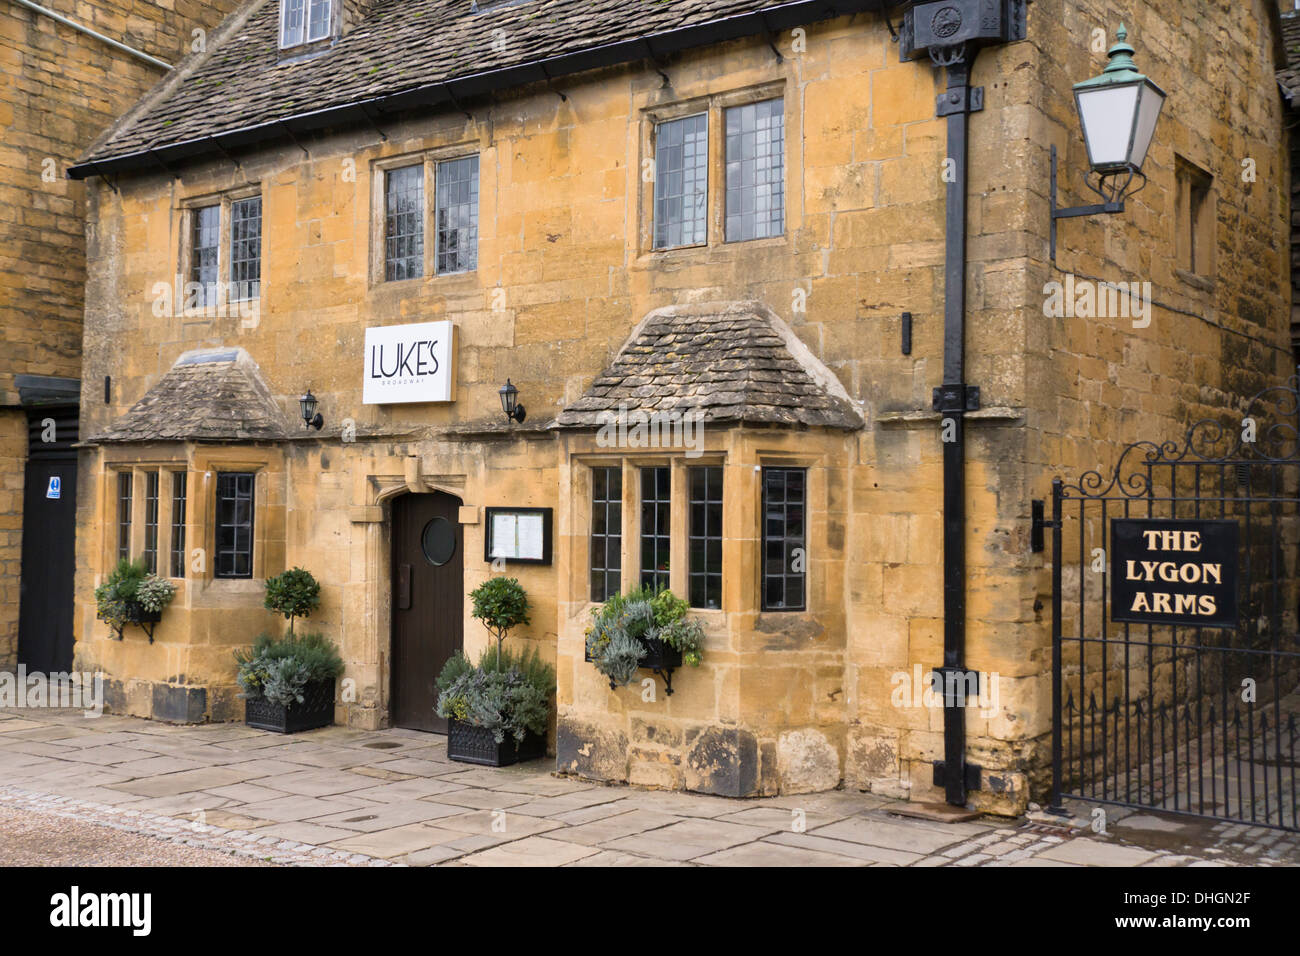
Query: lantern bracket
1114	202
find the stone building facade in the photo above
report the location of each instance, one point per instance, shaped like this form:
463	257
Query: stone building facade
62	87
530	146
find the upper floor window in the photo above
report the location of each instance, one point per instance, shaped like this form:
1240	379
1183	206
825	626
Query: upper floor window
205	240
404	223
246	248
304	21
681	181
454	184
717	168
456	212
221	249
755	201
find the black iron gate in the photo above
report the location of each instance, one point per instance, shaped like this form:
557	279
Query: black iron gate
1184	719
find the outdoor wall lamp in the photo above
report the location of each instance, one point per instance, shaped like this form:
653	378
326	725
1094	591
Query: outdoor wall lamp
510	403
310	417
1118	111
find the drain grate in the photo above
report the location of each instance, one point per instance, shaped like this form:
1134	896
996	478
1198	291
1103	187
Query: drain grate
383	745
361	819
1034	826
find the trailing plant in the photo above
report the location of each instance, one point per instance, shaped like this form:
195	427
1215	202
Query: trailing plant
501	604
686	636
504	693
155	593
276	662
615	641
295	593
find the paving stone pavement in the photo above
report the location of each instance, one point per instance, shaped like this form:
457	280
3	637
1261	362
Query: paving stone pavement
346	797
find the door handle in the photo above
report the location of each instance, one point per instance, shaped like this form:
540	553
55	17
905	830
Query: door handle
403	587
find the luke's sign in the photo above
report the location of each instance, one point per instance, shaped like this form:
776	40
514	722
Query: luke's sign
1166	571
410	363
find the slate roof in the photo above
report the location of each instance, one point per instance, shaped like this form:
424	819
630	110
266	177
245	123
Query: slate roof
737	361
1289	78
401	56
208	395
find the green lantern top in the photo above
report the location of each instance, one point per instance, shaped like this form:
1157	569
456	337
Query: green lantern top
1120	69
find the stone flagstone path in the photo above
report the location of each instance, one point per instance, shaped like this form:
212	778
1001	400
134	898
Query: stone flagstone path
346	797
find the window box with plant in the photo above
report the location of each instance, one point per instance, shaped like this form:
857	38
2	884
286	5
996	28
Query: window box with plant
132	595
497	711
644	629
289	682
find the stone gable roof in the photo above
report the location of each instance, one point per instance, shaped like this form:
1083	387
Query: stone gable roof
735	361
208	395
410	54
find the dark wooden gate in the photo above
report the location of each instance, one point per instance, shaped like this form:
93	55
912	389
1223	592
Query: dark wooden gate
48	553
1195	720
428	603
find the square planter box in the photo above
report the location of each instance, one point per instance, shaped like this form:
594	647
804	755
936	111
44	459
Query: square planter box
469	744
659	658
316	710
136	614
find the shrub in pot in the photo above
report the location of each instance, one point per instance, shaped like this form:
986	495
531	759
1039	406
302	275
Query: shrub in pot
497	711
288	682
647	629
132	595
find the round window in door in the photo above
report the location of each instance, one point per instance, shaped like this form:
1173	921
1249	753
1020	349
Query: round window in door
438	540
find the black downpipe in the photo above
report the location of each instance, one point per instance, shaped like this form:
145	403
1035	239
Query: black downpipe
953	432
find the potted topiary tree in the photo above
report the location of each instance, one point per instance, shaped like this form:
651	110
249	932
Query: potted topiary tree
288	682
497	712
295	593
501	604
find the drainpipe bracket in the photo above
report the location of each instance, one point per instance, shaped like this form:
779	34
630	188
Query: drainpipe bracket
960	99
956	398
970	771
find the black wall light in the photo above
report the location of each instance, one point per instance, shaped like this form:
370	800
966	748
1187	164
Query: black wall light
310	417
510	403
1118	111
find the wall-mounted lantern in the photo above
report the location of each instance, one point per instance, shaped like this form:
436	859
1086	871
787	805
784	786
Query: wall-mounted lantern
310	417
1118	111
510	403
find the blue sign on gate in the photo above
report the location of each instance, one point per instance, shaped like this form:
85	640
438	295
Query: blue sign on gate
55	489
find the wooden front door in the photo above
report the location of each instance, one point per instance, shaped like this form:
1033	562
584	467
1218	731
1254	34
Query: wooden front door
428	603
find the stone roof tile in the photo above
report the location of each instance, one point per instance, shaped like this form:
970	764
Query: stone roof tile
744	365
399	47
208	395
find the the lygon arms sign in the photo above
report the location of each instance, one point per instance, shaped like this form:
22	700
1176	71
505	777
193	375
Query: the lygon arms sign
1174	572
